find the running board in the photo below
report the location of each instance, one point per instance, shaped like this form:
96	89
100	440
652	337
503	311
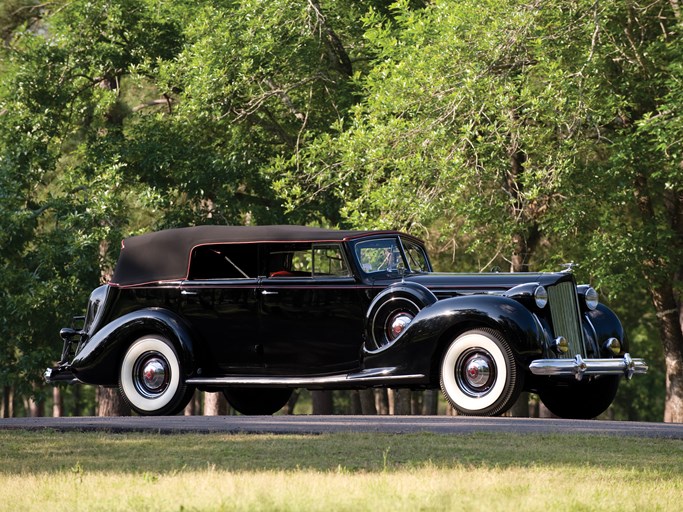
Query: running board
376	376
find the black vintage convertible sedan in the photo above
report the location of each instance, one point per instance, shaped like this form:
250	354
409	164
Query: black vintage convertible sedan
255	312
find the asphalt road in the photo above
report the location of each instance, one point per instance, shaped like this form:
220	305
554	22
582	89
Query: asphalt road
331	424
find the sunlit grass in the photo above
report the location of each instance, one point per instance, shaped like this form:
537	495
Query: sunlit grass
72	471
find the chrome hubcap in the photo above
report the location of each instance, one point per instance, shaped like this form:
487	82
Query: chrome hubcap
476	373
151	375
398	323
154	374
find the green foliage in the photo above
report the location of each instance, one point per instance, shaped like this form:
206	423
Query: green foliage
492	128
119	116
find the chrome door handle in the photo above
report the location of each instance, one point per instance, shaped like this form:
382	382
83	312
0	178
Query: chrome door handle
268	292
187	292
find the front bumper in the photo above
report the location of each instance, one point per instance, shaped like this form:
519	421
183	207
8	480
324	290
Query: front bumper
578	367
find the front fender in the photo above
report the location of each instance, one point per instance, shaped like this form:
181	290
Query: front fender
99	359
420	292
605	324
437	324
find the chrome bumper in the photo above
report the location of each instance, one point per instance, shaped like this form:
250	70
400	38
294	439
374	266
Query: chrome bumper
578	367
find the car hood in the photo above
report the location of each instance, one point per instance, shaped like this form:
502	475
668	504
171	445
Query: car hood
448	284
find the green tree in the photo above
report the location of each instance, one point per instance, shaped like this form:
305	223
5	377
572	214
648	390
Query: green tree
123	115
523	126
638	52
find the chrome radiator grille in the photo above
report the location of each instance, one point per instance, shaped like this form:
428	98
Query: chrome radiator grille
564	313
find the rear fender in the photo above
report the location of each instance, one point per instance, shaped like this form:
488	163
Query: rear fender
99	359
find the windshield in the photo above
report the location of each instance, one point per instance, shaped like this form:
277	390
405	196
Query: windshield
391	255
383	255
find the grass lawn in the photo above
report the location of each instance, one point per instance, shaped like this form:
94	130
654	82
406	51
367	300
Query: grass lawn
85	471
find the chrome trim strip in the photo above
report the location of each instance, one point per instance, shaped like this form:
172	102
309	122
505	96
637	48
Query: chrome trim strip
578	367
372	375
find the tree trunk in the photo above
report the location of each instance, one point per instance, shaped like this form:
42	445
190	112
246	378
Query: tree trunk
194	406
520	409
322	402
665	292
415	402
670	317
36	409
57	402
356	408
7	402
401	402
382	401
215	404
77	401
430	402
110	403
524	246
367	402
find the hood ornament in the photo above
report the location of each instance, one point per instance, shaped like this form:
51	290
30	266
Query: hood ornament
569	267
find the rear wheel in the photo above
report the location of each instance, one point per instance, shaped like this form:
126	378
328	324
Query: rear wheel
581	400
257	401
151	379
479	374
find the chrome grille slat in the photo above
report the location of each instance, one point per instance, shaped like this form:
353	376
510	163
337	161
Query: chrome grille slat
565	315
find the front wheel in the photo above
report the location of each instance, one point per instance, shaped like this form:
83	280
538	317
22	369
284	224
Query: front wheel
479	374
581	400
151	379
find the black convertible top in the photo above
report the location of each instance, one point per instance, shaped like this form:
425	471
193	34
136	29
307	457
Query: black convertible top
165	255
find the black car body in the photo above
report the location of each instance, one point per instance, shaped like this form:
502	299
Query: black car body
258	311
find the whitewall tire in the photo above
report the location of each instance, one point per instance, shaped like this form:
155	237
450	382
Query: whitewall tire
151	379
479	374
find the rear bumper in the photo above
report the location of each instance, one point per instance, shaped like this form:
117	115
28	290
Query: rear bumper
60	374
578	367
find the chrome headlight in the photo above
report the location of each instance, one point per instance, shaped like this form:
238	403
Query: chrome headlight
541	297
591	297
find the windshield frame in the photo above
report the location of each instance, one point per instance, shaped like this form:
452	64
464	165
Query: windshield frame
397	246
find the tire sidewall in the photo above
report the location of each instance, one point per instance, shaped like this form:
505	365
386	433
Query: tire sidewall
496	398
142	404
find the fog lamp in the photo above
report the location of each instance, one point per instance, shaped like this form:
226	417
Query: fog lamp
561	345
613	345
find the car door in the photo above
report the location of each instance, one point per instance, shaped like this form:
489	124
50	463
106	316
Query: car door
220	300
312	312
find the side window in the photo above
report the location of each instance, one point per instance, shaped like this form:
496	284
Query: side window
226	261
417	259
328	260
307	260
289	260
